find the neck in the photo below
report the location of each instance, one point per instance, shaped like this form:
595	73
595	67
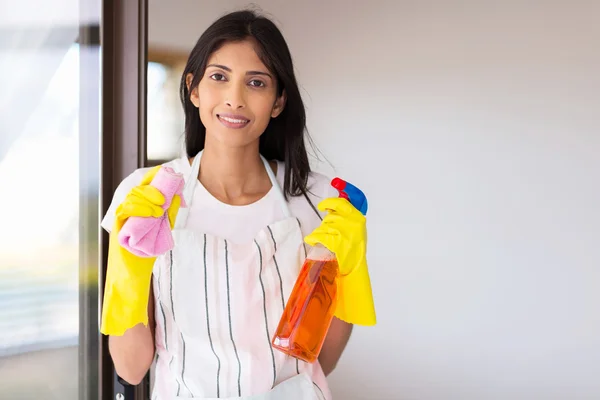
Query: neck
235	176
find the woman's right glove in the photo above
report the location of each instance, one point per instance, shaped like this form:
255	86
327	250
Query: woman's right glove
344	232
128	277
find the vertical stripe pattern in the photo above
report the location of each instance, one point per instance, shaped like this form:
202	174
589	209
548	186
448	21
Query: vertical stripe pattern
230	328
177	380
277	268
183	366
171	283
262	285
320	391
208	321
162	309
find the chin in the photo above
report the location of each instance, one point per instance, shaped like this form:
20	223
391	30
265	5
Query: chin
236	139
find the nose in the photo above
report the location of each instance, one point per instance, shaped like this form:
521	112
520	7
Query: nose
235	97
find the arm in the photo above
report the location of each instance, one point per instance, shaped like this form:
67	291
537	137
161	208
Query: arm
334	345
133	353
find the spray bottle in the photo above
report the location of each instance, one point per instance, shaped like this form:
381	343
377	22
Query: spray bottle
307	316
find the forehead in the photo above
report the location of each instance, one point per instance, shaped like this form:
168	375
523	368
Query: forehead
238	56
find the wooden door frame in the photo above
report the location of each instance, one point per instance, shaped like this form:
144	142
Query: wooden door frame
124	38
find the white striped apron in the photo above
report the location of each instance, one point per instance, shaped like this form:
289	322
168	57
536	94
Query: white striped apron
217	305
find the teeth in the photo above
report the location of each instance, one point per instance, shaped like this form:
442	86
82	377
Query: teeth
234	121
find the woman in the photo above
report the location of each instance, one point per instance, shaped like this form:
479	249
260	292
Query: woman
206	311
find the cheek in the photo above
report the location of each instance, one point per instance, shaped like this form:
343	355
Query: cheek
207	100
263	106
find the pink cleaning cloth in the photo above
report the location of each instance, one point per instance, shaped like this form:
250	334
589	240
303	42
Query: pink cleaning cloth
150	236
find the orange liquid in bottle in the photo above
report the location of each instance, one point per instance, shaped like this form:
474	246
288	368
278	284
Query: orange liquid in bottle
308	313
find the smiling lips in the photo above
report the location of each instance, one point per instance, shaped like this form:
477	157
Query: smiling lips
233	121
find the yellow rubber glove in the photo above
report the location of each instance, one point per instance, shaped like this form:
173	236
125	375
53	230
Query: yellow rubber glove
344	232
128	276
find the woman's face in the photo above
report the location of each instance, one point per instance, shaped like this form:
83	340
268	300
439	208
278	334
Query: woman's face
236	96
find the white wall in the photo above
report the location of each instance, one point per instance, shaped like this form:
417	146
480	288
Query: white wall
474	127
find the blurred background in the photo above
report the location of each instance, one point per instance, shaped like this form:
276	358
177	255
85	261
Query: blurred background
473	127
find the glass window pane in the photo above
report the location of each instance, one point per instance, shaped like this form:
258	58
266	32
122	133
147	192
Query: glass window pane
40	249
165	115
39	303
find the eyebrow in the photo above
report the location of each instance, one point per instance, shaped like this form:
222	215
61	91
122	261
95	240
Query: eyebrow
225	68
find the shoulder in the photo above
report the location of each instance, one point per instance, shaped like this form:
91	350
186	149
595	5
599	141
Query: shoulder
305	208
128	183
319	186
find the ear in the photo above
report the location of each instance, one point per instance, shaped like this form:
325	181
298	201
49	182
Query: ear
194	92
279	105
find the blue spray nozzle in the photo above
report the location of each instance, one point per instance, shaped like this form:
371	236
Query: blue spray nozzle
351	193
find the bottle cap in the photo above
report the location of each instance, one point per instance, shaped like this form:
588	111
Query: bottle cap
351	193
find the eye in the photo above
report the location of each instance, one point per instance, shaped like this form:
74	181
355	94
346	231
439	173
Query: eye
257	83
217	77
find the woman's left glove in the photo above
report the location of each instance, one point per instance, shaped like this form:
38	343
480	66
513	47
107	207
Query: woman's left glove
344	232
128	276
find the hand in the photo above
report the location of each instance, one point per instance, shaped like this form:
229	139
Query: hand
145	200
343	231
128	276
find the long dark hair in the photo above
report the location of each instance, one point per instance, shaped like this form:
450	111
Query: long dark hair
283	138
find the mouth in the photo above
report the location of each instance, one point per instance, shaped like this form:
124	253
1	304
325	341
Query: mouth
233	121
